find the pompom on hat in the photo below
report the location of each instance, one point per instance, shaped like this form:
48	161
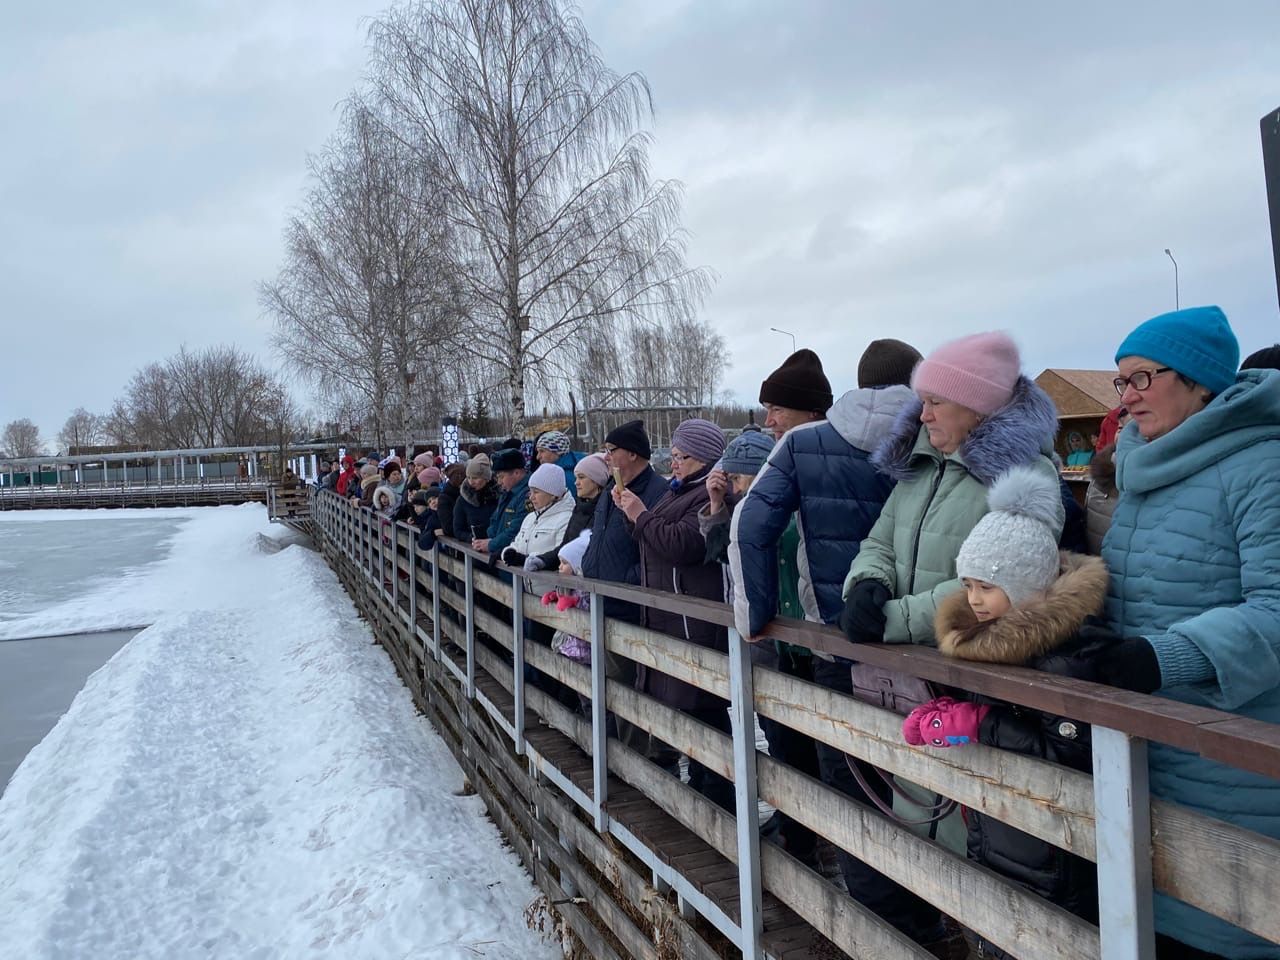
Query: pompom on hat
1014	546
1197	342
978	372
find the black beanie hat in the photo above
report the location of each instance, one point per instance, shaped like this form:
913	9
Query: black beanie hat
507	459
1268	358
511	443
631	436
799	384
887	363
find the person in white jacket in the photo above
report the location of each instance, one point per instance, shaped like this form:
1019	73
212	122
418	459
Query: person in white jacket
544	526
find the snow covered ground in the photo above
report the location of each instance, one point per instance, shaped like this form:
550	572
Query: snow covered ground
246	778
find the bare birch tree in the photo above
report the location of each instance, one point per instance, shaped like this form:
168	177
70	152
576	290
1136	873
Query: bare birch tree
82	429
21	438
369	292
544	159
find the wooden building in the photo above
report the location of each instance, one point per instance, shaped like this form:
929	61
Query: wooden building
1083	398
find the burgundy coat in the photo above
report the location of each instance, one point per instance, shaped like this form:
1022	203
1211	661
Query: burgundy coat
672	558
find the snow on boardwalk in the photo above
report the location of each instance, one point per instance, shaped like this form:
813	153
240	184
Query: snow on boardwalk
247	778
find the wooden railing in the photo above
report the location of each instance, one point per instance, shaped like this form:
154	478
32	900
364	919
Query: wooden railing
430	626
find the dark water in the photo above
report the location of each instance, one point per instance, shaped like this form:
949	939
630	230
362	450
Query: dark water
38	680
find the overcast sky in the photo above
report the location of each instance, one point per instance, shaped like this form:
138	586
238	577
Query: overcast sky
852	170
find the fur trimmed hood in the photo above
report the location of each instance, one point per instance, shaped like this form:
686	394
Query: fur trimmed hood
1016	434
1031	630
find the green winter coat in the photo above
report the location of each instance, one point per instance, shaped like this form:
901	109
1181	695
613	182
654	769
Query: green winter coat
938	499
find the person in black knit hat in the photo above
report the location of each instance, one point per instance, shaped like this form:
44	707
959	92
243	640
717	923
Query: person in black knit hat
1268	358
797	392
631	437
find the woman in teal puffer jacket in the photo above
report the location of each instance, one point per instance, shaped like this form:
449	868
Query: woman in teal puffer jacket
1194	553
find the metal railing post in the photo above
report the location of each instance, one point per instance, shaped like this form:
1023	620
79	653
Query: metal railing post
742	715
471	626
599	716
1122	811
413	585
435	601
395	569
517	660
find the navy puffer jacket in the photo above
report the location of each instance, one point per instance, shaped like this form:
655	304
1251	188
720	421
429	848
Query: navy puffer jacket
822	470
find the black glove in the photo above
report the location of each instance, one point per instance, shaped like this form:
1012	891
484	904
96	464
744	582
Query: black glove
513	558
1130	664
863	617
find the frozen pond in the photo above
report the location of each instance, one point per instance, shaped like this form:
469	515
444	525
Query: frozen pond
47	560
63	555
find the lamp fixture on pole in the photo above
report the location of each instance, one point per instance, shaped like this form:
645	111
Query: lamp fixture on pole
1177	297
787	333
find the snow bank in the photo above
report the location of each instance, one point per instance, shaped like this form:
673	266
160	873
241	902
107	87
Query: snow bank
248	778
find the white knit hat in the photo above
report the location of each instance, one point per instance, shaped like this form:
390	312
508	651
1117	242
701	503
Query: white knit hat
549	479
1014	546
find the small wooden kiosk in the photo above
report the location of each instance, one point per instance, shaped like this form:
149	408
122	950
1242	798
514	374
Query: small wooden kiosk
1083	398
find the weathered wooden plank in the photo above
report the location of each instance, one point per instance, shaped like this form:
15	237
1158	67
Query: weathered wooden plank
636	942
1045	800
1217	867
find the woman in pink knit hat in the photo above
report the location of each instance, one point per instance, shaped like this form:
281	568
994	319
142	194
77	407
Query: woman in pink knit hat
975	416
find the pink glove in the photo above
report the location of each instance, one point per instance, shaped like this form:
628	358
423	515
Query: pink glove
565	602
944	722
549	598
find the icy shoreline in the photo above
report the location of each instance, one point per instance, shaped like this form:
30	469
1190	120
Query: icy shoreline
248	778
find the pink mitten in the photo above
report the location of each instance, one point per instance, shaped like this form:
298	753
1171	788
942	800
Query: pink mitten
911	723
549	598
565	602
946	723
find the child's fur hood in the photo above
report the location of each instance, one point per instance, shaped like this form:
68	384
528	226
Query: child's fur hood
1031	630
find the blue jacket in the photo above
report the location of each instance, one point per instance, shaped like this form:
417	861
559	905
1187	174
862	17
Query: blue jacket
507	516
822	470
566	463
613	553
1194	554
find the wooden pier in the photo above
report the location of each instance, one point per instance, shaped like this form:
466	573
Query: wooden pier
634	863
193	493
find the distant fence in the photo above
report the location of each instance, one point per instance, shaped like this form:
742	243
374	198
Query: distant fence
169	493
637	864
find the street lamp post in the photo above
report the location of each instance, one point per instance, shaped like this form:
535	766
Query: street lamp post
1177	297
788	334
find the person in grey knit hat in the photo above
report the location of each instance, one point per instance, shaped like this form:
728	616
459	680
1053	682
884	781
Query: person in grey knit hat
1013	548
746	454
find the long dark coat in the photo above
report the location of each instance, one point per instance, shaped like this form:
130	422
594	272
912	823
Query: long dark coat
673	558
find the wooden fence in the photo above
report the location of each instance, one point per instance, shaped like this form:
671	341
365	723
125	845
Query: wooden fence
637	864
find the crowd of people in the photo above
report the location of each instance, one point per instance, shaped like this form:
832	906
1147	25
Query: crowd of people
926	506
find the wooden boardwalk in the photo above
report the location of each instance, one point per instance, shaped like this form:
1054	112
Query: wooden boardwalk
634	863
88	497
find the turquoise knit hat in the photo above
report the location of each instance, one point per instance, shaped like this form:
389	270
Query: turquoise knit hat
1196	342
